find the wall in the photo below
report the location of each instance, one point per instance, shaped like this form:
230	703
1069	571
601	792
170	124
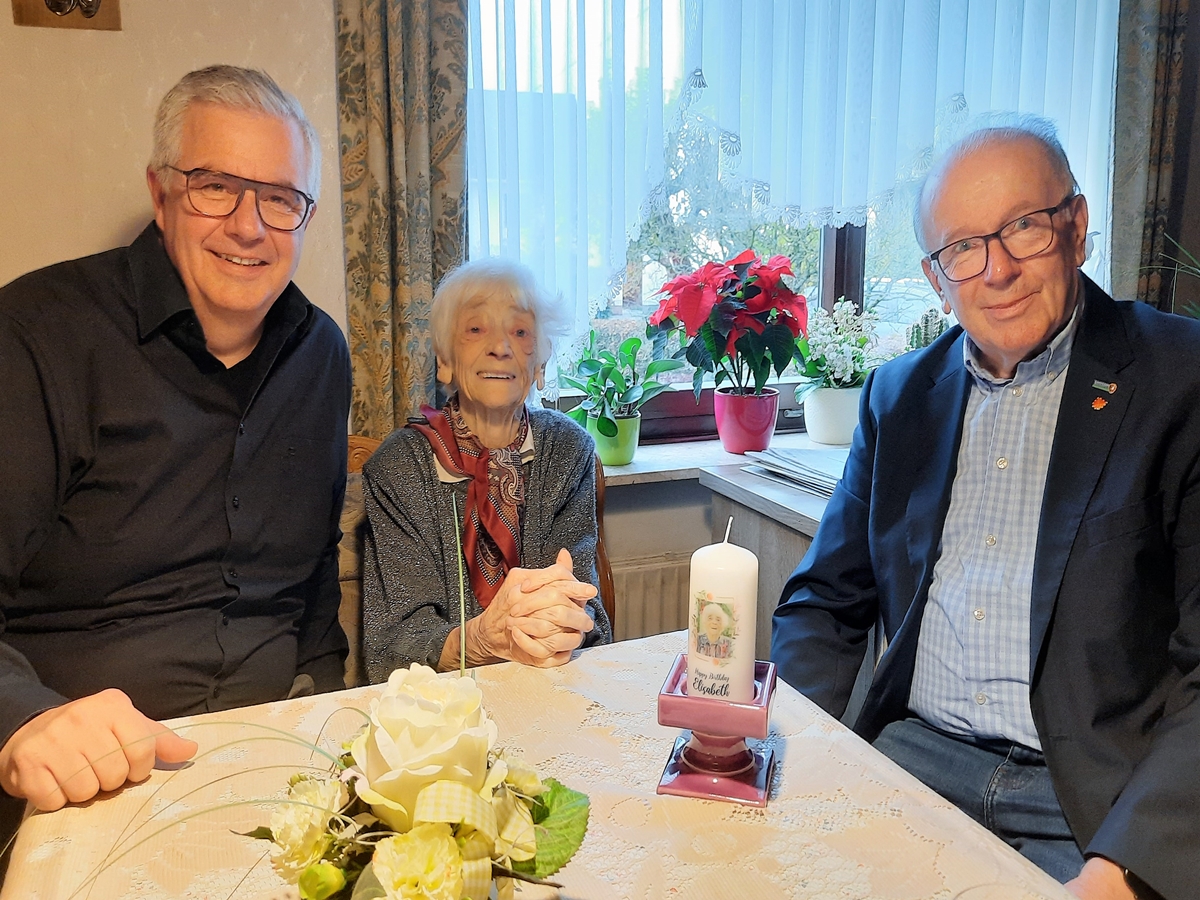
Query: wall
77	109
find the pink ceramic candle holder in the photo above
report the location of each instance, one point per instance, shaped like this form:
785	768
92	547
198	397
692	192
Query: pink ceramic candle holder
715	763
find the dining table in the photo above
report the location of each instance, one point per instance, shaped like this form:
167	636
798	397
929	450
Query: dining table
841	822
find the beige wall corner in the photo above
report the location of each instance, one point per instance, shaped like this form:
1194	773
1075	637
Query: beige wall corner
76	108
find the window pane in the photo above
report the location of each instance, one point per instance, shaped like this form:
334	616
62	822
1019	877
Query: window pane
894	285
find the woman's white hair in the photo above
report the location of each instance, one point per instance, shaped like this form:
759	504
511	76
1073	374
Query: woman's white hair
496	278
234	88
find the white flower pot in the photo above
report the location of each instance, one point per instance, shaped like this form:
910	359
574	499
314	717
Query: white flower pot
831	414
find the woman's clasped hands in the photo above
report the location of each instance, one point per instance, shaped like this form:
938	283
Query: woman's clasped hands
538	617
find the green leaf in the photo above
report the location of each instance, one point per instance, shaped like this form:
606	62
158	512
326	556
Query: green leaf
579	414
714	349
618	380
633	395
651	389
698	356
588	367
804	388
628	352
663	365
560	822
697	382
720	378
606	426
368	887
573	382
782	346
607	356
261	833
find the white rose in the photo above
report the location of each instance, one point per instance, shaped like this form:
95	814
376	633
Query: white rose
423	729
300	825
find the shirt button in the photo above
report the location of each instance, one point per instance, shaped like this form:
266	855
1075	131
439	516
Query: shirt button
979	614
1018	391
236	502
990	540
981	698
233	573
224	620
1050	376
1002	463
241	429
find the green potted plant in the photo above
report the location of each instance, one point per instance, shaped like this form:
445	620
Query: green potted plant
737	321
837	355
615	391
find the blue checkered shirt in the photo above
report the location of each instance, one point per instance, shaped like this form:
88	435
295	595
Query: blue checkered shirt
972	669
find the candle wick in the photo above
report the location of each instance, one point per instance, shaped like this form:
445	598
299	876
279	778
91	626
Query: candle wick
727	528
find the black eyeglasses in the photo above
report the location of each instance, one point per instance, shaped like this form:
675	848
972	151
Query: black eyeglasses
218	194
1021	238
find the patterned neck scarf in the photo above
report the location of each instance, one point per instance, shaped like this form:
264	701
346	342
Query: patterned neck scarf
495	496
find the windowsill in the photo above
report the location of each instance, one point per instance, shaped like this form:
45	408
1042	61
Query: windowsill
682	461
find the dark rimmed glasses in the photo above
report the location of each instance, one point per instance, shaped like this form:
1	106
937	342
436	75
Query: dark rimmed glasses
218	194
1021	238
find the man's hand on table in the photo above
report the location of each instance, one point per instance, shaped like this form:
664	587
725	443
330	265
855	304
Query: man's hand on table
97	743
1100	879
537	618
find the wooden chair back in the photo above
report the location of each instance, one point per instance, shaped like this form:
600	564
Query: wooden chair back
608	594
354	517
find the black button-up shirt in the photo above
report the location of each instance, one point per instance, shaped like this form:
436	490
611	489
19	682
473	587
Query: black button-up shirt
168	527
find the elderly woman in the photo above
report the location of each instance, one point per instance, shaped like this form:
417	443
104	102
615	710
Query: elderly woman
513	486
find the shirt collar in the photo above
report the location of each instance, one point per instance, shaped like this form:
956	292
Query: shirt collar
447	477
157	287
1051	362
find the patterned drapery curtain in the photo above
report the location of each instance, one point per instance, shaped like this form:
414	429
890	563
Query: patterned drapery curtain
1149	79
402	120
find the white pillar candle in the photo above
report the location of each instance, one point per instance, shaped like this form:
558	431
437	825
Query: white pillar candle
722	619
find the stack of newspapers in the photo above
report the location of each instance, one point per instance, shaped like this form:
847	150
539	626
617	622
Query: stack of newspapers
816	471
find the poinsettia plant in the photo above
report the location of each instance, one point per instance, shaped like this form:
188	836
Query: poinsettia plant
737	320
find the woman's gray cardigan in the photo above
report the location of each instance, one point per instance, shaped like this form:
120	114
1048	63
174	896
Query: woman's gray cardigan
410	569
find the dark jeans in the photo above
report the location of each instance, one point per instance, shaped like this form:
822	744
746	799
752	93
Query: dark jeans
1003	786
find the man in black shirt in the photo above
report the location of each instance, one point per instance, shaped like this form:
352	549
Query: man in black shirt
174	417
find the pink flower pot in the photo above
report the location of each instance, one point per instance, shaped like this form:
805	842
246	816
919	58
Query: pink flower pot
745	421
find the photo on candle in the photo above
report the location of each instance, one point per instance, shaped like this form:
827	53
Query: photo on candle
714	625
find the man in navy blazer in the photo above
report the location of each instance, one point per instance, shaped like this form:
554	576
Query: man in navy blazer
1020	514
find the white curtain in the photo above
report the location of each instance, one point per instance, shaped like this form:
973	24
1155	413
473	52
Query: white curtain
576	110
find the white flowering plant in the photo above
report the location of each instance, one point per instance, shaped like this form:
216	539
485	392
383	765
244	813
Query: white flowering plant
838	350
422	806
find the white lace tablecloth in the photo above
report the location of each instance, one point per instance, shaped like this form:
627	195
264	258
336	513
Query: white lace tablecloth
843	822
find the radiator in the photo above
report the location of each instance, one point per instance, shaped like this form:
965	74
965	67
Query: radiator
651	594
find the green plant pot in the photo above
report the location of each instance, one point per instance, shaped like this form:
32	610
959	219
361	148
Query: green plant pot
617	451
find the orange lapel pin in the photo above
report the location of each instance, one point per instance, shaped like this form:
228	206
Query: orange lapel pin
1099	403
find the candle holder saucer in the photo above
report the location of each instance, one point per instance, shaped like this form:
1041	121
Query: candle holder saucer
715	763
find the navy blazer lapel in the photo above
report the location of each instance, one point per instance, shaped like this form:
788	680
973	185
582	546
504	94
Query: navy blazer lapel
934	419
937	426
1088	420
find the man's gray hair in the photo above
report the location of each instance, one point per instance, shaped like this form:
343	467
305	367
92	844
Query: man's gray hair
1000	128
235	88
496	278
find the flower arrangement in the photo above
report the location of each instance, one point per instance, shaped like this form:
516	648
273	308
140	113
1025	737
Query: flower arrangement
422	806
739	320
837	349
